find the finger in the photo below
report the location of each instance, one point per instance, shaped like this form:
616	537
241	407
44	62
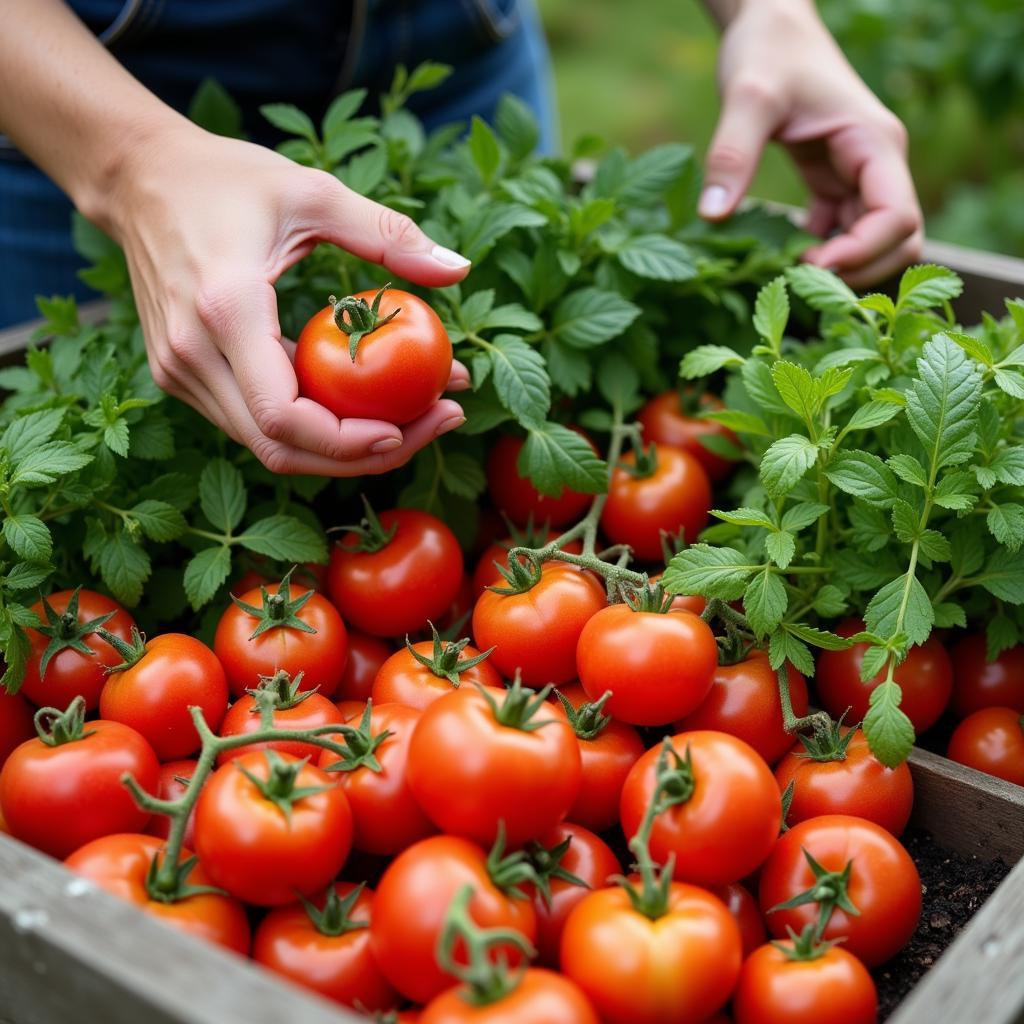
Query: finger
459	378
888	265
822	216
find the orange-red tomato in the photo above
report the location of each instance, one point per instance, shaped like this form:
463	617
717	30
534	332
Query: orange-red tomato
487	574
665	422
404	680
991	740
15	723
170	788
740	902
979	683
366	654
683	602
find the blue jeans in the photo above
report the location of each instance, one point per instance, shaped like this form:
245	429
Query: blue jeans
293	51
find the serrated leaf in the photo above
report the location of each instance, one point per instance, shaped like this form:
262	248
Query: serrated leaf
205	574
342	108
484	149
800	516
955	491
124	567
569	368
707	359
847	356
1001	633
926	285
739	422
25	576
479	234
765	602
365	171
745	517
905	521
222	494
511	316
873	414
821	289
771	312
285	539
44	464
28	537
785	463
517	126
463	475
648	176
797	388
1006	524
618	381
820	638
875	659
159	520
289	119
521	379
115	437
934	546
1008	466
882	615
908	469
890	733
976	348
152	438
781	547
1011	382
878	303
589	317
948	615
555	457
829	602
1003	576
27	433
658	258
783	647
711	572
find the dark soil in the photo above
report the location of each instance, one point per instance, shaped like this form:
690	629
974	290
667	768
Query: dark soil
954	888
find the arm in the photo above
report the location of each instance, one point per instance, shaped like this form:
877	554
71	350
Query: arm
207	225
783	77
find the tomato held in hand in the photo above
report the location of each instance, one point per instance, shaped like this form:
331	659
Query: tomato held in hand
282	627
171	787
979	683
883	885
67	658
395	573
15	723
658	666
665	421
374	355
729	823
366	654
740	902
665	489
325	947
838	774
120	865
991	740
263	836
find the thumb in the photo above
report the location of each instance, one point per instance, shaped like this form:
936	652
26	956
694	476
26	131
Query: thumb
748	119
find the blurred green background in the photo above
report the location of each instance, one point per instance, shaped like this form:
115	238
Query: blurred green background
953	70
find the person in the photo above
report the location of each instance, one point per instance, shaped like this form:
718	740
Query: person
91	93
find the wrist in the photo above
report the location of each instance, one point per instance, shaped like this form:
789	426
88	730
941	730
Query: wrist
726	12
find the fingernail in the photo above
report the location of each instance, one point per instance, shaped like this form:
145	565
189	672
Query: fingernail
448	257
389	444
714	201
452	423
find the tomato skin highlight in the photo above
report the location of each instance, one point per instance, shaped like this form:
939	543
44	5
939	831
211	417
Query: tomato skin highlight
676	496
979	683
835	988
60	798
665	423
366	654
15	723
629	966
658	667
400	370
884	885
169	788
155	694
991	740
339	967
409	909
250	849
412	580
119	863
403	680
727	827
859	785
69	673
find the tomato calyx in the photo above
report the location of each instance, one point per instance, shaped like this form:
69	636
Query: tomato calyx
55	728
827	744
277	610
830	890
508	872
360	745
131	651
363	318
444	661
645	462
370	534
523	573
547	863
280	787
335	918
588	721
168	883
738	640
279	692
648	597
808	945
519	706
65	631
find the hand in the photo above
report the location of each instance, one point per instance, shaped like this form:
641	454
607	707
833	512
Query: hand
783	77
207	225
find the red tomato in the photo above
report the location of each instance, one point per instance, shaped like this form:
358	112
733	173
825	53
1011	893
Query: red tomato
172	673
399	369
632	968
386	817
282	627
456	618
729	824
659	667
856	782
665	422
366	654
405	679
120	863
991	740
479	758
170	788
979	683
59	794
412	902
884	885
70	673
740	902
925	676
257	850
487	573
674	497
310	576
832	988
15	723
683	602
397	585
326	948
537	631
516	496
744	702
540	997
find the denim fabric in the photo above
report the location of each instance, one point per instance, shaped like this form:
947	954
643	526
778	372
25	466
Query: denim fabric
266	51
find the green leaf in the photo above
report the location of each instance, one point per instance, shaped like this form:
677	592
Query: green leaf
711	572
908	469
1003	576
820	638
463	475
1006	524
890	733
740	422
649	175
882	615
955	491
781	547
511	316
1011	382
745	517
205	573
285	539
484	149
159	520
707	359
934	545
16	651
517	126
124	567
783	647
618	381
365	171
847	356
555	457
829	602
658	257
342	109
222	494
771	312
115	437
948	615
1001	633
152	438
1008	466
785	462
29	537
905	521
976	348
521	379
289	119
865	476
797	389
213	108
878	303
569	368
926	285
765	602
27	433
821	289
872	414
798	517
26	575
480	233
589	317
44	464
427	75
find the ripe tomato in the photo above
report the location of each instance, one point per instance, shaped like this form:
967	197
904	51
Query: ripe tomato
385	815
162	680
480	758
884	885
263	843
991	740
516	496
680	967
608	749
744	702
925	676
487	573
296	708
398	369
854	782
659	667
15	723
393	585
171	788
683	602
979	683
740	902
325	947
67	658
120	863
59	793
282	627
675	496
539	996
366	654
667	423
310	576
729	824
537	631
412	901
832	987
